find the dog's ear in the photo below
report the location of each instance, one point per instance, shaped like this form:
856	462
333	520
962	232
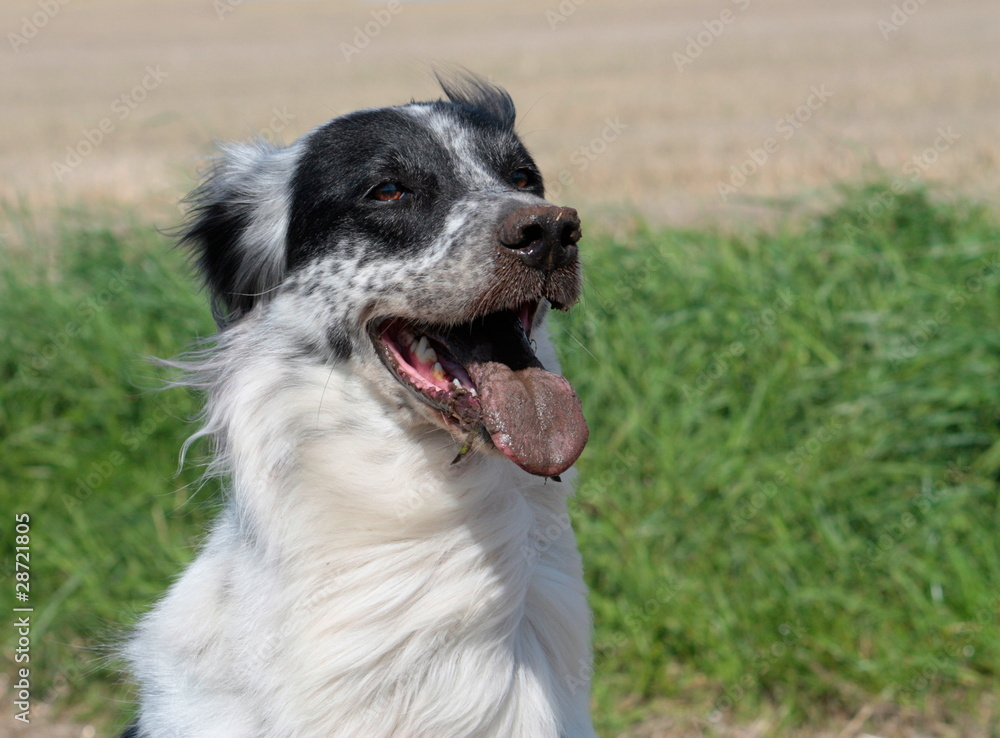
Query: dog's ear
237	225
465	88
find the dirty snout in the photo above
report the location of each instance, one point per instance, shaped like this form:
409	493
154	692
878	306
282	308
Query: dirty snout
537	244
541	236
480	372
532	415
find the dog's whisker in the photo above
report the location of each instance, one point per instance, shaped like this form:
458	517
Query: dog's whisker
257	294
319	405
582	345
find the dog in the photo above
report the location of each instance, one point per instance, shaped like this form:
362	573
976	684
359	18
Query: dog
394	555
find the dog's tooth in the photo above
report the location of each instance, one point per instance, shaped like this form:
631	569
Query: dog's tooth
425	352
472	391
437	371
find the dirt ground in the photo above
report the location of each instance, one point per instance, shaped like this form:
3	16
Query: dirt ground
629	105
678	721
679	110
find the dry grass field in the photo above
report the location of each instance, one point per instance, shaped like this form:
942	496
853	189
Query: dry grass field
678	111
636	104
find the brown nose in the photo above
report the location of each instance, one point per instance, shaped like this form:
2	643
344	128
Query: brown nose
541	236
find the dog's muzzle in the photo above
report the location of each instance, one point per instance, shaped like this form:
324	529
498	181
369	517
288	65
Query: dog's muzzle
480	372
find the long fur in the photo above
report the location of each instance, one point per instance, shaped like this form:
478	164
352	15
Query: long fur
357	583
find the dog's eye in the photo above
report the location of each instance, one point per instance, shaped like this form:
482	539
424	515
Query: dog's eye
388	191
522	178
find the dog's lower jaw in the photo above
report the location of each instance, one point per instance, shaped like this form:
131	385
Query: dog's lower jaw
328	602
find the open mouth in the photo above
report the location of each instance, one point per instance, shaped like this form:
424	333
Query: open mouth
483	377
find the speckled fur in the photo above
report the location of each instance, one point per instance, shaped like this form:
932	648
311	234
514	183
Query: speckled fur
357	583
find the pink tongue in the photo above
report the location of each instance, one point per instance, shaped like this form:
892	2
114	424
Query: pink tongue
533	416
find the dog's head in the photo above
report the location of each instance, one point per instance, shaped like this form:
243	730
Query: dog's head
415	243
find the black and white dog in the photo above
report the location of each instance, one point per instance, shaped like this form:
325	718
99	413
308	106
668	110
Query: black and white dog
394	557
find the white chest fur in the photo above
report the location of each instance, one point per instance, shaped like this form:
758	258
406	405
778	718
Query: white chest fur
358	584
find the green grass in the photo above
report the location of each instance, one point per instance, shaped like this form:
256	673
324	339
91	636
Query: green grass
790	495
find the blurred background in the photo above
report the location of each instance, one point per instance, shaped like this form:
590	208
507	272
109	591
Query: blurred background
788	349
684	89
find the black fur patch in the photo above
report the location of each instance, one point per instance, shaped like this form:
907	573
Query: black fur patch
215	228
348	157
235	227
480	96
339	343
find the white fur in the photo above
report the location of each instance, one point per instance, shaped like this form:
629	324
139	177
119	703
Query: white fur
357	582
